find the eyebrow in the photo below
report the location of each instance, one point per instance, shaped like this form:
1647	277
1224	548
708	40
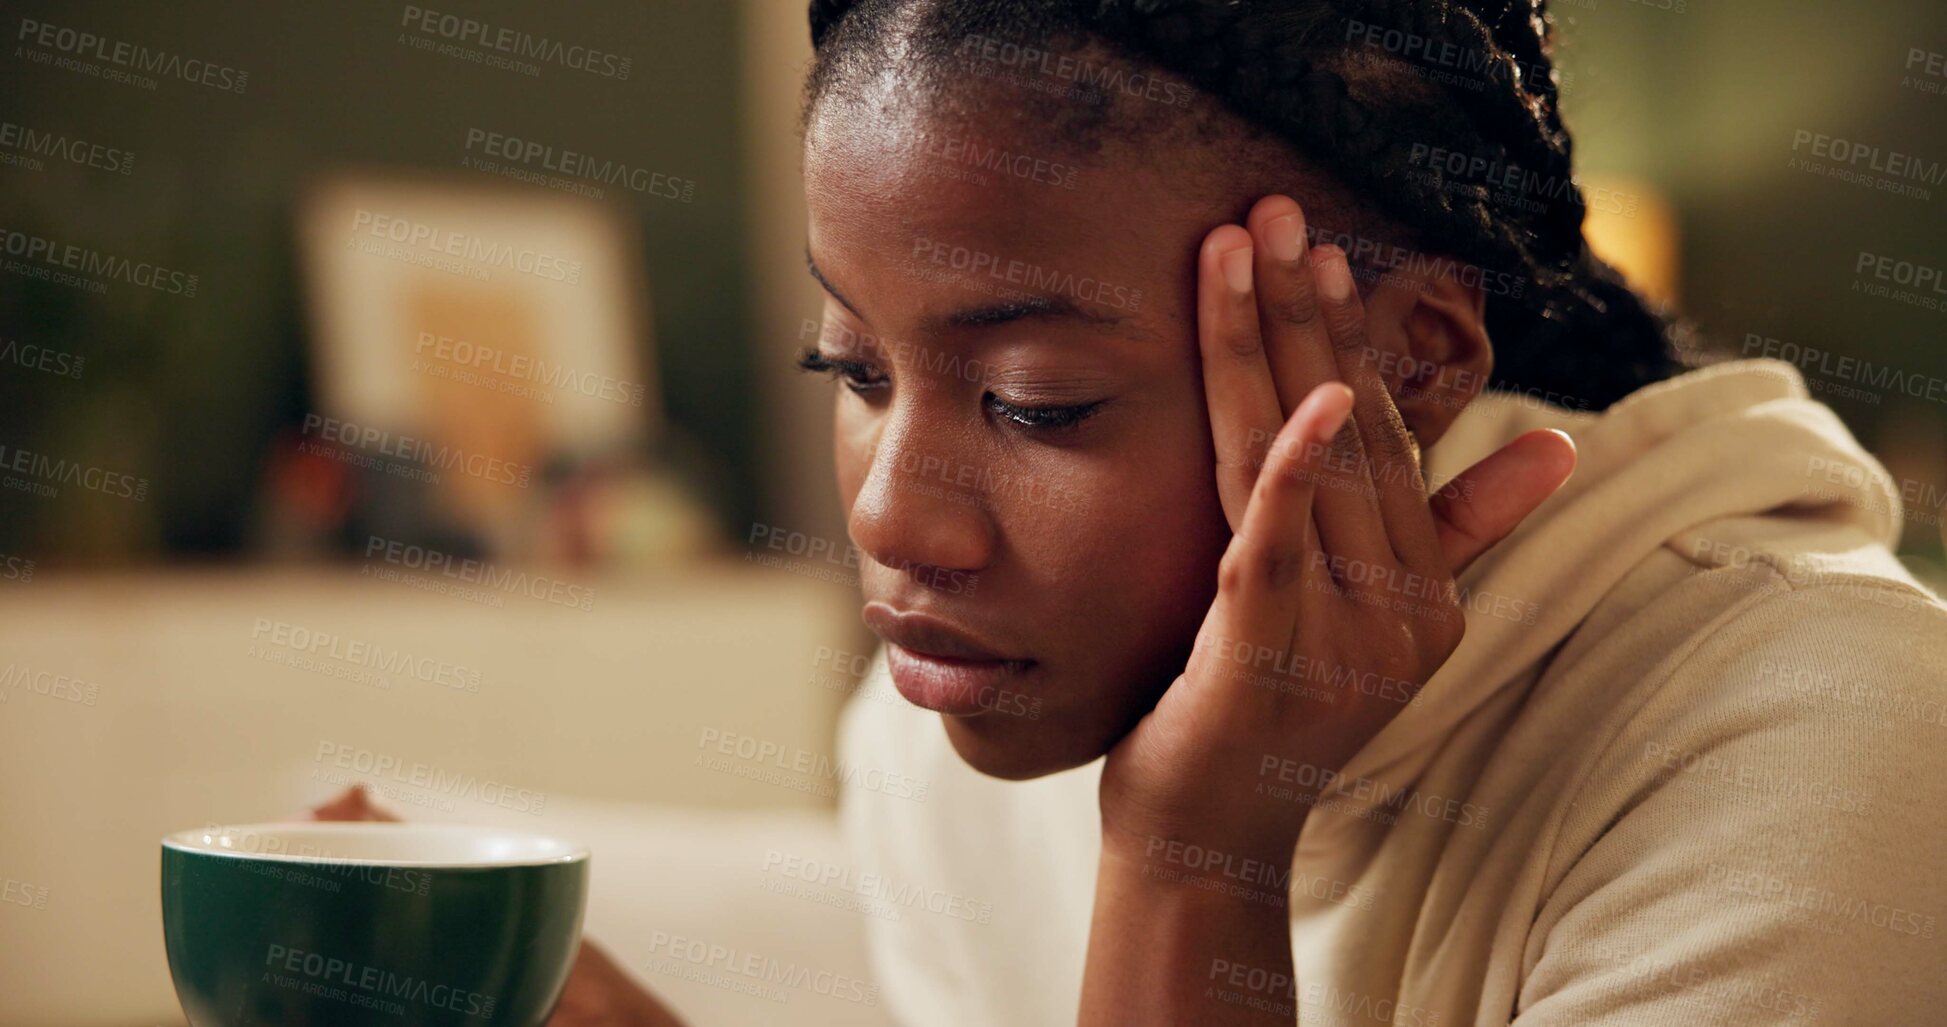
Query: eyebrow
1040	306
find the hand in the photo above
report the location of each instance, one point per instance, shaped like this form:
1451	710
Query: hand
598	993
1340	563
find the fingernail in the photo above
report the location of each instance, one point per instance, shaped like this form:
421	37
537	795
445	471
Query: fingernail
1336	403
1237	269
1335	278
1281	237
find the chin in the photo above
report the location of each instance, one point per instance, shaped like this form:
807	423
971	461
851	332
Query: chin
1018	749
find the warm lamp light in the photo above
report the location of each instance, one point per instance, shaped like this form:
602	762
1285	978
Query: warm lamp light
1630	226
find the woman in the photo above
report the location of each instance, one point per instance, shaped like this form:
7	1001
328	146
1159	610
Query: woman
1676	771
1145	314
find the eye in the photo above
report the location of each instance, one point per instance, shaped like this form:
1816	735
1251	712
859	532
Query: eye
857	375
1041	418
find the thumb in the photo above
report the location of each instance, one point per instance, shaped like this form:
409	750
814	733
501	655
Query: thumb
353	803
1486	501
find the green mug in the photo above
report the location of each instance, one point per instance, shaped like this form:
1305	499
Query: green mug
362	923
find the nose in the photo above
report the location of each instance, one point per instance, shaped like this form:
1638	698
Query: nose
922	506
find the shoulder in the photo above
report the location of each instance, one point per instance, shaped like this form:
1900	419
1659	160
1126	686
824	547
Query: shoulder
1761	839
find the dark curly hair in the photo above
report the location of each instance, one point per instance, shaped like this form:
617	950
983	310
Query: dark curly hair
1440	115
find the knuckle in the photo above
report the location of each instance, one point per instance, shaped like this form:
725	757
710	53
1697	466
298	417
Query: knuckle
1283	569
1242	342
1393	441
1299	310
1232	571
1347	332
1247	567
1347	447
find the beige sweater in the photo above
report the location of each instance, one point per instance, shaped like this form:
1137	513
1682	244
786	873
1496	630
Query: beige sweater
1686	768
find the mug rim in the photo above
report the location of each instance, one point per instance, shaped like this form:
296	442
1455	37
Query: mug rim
204	842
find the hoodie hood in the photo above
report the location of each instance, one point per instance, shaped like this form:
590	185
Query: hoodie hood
1735	440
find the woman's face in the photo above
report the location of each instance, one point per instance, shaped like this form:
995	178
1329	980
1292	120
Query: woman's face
1021	440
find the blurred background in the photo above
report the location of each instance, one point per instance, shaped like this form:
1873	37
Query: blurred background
373	397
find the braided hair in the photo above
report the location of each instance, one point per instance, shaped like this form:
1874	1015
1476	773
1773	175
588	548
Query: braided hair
1368	90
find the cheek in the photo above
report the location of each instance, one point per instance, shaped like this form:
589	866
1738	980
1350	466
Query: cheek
853	439
1140	542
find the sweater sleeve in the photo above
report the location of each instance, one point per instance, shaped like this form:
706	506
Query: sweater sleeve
1765	842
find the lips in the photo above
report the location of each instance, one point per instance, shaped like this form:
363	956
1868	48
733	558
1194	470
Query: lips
943	667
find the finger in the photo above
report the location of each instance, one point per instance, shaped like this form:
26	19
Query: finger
353	803
1237	387
1295	342
1482	504
1270	573
1276	549
1300	353
1392	454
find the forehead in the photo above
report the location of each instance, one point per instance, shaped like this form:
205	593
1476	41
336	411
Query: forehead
942	199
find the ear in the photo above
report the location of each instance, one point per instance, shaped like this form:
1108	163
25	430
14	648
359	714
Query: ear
1428	337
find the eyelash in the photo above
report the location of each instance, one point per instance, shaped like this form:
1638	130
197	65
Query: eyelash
857	375
862	378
